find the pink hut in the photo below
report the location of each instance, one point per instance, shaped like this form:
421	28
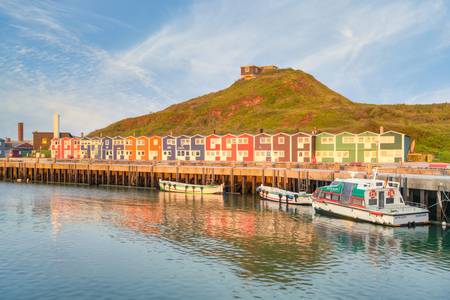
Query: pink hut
56	148
281	147
302	147
245	147
212	147
229	147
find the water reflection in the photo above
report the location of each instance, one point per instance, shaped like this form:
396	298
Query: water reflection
262	239
257	241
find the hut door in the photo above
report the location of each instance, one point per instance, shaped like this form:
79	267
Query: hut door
381	200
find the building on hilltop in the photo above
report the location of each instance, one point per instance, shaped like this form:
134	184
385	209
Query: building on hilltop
250	72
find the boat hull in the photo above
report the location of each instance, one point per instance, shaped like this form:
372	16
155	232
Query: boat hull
178	187
365	215
285	197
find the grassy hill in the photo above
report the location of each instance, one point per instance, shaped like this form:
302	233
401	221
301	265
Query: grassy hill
289	100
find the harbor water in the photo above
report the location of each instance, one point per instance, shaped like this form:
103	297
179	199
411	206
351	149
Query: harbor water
72	242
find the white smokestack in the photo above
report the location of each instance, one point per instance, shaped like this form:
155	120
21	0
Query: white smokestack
56	125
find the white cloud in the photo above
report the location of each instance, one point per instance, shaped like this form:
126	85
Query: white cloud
344	44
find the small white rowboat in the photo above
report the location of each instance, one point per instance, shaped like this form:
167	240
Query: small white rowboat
283	196
179	187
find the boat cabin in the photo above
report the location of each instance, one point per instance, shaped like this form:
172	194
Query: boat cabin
369	193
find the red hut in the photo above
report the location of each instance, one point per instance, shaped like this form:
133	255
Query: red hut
263	147
245	147
281	147
301	147
229	148
212	147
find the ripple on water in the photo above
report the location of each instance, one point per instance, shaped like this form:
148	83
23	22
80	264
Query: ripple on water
111	243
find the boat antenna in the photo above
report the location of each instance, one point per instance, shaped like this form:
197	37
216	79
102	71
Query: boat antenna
352	174
375	171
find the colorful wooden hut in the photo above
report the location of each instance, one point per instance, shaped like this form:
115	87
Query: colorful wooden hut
245	147
281	147
107	148
263	147
302	147
142	145
130	148
212	147
197	147
183	150
228	147
169	146
118	148
325	147
155	148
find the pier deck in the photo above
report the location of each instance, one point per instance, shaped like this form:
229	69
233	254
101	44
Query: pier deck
419	183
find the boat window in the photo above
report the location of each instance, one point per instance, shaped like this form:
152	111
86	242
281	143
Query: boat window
379	184
373	201
335	197
328	196
347	192
390	200
321	195
393	184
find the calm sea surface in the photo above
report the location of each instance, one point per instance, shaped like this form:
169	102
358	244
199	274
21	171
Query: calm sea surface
63	242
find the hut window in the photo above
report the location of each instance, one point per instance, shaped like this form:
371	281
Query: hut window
348	140
155	142
243	153
199	141
184	142
264	140
327	140
281	140
387	139
215	141
170	142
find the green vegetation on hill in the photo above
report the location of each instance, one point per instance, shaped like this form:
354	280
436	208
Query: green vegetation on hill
289	100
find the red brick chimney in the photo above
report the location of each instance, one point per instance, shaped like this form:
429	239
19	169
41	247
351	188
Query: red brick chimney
20	132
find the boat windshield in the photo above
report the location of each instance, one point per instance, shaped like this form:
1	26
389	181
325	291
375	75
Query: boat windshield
347	192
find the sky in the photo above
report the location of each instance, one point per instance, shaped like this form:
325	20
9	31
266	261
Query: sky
96	62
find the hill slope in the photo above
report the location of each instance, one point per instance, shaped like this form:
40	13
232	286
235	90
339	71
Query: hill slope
290	100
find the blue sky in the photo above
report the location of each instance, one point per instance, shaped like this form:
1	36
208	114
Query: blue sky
96	62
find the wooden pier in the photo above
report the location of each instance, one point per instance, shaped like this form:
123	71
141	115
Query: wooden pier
426	186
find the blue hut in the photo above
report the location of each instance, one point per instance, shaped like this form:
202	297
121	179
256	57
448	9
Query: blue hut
183	147
107	148
118	148
85	148
169	147
198	147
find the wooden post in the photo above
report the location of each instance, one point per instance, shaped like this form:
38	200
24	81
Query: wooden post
253	185
108	175
152	177
422	198
263	178
244	185
232	180
439	205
